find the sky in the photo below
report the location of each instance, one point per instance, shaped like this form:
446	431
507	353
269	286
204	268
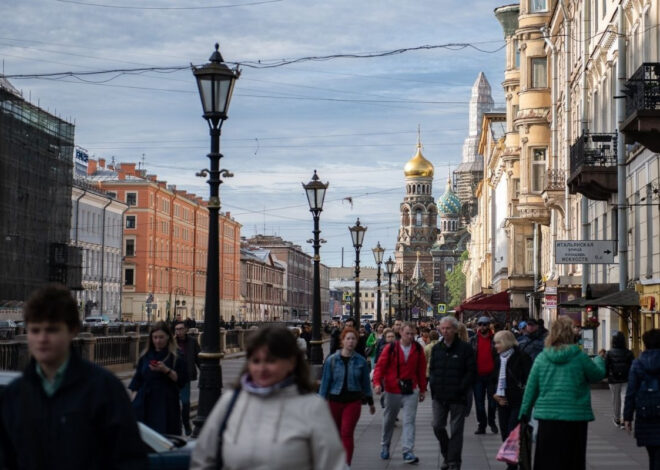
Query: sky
354	120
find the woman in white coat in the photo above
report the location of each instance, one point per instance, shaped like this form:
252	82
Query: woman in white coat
272	420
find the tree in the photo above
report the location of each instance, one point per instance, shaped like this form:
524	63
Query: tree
455	283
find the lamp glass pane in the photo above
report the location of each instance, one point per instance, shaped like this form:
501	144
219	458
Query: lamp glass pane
311	198
320	197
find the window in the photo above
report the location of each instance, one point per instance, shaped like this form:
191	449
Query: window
538	170
418	218
537	6
131	199
130	247
130	221
129	277
516	48
529	255
112	194
539	72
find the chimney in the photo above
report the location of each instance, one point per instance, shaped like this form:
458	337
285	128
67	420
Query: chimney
128	168
102	162
91	166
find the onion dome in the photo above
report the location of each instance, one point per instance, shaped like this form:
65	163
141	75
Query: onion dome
418	166
449	203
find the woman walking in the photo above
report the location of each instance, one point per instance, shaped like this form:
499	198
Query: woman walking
618	361
373	341
272	420
159	375
643	398
558	390
344	383
513	368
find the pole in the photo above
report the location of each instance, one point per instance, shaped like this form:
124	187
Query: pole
357	286
210	372
398	283
389	300
316	352
379	314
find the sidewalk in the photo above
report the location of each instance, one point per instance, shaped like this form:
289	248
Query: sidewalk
608	446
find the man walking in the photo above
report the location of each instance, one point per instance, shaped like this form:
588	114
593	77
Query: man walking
533	340
485	384
402	368
65	412
189	348
452	371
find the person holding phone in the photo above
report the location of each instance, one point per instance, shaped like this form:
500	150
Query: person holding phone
160	373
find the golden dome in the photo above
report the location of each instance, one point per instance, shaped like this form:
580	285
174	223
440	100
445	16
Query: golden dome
418	166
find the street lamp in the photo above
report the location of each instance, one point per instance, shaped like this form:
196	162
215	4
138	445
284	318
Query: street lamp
216	83
399	280
389	269
378	256
315	191
357	235
406	287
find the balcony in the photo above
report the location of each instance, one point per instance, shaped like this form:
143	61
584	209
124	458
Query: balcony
642	120
593	166
555	185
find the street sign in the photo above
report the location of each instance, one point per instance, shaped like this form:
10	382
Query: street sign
442	308
584	251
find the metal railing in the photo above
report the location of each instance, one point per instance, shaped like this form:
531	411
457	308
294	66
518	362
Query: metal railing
555	180
9	352
643	89
110	350
231	339
594	150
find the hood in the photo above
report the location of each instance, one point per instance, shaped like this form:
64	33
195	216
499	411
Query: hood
650	361
562	354
618	340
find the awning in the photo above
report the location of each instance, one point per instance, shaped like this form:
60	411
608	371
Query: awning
489	303
624	298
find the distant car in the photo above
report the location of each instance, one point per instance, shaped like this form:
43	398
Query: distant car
96	320
164	452
7	324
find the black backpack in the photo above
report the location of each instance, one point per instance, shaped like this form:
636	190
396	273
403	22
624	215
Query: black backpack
647	401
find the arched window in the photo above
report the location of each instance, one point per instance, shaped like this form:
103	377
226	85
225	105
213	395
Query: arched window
418	218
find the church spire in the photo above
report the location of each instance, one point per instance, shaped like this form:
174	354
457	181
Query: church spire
417	272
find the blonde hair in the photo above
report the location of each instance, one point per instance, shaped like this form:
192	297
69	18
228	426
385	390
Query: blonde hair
561	333
462	332
506	338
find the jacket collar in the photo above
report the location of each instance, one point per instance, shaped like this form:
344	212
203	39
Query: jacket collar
74	372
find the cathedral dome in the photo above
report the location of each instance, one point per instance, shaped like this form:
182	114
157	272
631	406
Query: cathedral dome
449	204
418	166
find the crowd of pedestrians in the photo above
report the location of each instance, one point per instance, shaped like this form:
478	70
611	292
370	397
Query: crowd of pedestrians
64	412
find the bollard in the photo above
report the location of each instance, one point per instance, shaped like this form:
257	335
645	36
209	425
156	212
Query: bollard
88	341
223	340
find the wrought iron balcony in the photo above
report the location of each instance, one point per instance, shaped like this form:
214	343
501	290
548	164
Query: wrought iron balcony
556	180
593	166
642	121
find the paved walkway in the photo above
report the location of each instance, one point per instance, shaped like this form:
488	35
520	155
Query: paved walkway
608	447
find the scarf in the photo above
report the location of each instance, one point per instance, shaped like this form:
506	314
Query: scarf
249	386
501	381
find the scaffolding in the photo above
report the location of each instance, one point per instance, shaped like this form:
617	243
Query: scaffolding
36	172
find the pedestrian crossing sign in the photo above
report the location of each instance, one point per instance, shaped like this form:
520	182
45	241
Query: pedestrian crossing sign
442	308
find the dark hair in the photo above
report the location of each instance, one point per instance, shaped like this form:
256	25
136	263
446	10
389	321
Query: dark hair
619	341
52	303
652	339
351	319
280	343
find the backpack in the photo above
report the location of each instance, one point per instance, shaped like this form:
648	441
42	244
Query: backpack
647	401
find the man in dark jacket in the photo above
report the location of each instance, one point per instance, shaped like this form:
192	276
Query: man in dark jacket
65	412
532	342
486	381
452	371
617	362
189	348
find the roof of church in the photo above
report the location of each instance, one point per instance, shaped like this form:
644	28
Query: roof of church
418	166
449	203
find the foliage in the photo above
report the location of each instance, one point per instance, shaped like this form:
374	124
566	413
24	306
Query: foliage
455	283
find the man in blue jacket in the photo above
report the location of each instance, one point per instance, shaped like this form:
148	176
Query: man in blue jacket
65	412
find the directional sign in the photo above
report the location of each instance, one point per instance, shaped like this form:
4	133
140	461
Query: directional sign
584	251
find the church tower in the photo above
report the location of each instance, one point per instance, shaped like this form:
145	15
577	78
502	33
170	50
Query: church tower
419	218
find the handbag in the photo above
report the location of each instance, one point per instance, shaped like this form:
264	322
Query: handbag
509	451
525	454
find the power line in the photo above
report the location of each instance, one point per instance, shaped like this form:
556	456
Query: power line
131	7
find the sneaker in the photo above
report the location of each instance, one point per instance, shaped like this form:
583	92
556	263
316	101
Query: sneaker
493	428
385	453
617	422
409	457
480	430
444	466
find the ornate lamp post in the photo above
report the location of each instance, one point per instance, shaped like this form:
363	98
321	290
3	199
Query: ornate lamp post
399	280
378	256
389	269
315	191
216	83
357	235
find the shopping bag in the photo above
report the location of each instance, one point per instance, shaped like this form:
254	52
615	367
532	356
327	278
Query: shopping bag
525	455
510	449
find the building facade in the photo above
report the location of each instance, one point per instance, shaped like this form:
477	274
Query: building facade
96	229
165	246
262	286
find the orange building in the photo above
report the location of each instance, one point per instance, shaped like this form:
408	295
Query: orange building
165	246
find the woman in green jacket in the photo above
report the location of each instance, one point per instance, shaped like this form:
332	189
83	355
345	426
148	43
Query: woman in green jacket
558	391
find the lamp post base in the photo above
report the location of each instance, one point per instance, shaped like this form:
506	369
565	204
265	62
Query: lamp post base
210	388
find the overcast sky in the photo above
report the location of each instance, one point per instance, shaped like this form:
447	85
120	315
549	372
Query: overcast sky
353	120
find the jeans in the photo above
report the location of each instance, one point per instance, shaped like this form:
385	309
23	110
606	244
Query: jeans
618	395
393	403
484	388
450	447
346	416
184	396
